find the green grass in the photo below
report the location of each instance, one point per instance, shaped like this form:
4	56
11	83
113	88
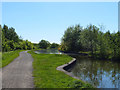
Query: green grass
46	76
8	57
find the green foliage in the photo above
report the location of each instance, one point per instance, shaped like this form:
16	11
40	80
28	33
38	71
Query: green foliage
54	45
44	44
11	41
101	45
46	75
70	39
35	46
10	34
0	39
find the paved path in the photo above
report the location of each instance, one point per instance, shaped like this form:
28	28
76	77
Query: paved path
18	74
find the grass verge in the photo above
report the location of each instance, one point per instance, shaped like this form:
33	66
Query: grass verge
46	76
8	57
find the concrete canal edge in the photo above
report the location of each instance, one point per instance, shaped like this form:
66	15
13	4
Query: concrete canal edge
65	67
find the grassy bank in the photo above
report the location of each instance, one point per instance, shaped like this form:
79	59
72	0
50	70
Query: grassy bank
46	75
8	57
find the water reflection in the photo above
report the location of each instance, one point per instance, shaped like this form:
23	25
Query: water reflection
100	73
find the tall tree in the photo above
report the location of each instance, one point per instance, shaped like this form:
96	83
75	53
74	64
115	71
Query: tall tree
44	44
54	45
12	35
5	31
70	38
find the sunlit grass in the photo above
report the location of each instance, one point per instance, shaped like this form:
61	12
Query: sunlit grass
46	75
8	57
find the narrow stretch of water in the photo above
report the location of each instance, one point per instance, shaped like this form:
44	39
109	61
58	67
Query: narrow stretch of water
48	51
100	73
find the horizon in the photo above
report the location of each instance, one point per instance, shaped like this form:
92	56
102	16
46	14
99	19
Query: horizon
48	21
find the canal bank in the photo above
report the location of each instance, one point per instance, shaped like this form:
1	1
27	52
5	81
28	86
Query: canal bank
46	75
99	73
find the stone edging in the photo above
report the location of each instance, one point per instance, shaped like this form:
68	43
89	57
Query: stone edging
68	65
62	68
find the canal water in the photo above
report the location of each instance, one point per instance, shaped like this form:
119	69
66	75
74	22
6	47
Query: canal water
100	73
48	51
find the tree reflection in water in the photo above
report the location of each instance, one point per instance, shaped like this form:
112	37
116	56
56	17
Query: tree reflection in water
100	73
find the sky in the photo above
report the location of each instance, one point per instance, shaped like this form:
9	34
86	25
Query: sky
35	21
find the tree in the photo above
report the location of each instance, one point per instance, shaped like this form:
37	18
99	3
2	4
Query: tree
23	45
44	44
35	46
5	31
70	39
11	44
91	38
12	35
29	45
5	47
102	46
54	45
0	38
11	41
116	45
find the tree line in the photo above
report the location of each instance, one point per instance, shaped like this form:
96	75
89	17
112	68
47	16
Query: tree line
44	44
91	39
75	39
11	41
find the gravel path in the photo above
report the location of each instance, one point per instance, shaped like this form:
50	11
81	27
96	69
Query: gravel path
18	74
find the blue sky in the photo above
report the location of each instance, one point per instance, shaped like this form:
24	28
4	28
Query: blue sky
40	20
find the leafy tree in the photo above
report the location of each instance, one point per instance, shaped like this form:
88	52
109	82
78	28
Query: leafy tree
116	45
101	45
44	44
89	39
11	41
12	35
0	38
5	31
29	45
70	38
35	46
6	47
54	45
11	44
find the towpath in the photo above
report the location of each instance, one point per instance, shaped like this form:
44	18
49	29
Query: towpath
18	74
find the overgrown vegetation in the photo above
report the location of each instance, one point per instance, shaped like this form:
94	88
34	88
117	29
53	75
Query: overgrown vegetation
101	45
46	75
43	44
12	44
11	41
